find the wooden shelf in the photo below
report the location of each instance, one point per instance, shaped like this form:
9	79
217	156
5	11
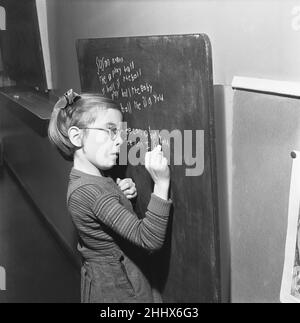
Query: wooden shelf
31	107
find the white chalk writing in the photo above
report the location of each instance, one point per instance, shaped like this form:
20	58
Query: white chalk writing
121	80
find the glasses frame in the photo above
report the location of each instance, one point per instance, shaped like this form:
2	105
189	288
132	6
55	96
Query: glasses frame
113	136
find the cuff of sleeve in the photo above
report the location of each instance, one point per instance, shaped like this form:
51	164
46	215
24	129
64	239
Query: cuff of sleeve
159	206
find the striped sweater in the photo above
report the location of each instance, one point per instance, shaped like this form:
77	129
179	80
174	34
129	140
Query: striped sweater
102	214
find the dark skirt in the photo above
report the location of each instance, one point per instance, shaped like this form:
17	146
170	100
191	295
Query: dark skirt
115	279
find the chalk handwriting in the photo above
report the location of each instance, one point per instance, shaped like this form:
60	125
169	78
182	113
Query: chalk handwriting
121	80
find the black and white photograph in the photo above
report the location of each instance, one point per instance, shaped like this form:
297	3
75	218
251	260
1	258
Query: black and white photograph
149	154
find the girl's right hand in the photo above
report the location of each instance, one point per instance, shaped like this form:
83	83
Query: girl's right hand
157	166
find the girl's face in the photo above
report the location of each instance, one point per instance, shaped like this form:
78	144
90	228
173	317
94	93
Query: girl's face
98	147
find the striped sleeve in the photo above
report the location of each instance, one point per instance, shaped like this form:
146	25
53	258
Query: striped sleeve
148	232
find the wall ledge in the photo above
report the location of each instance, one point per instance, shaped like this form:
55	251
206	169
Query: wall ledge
266	86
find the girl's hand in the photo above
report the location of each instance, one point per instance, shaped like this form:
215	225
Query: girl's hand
157	166
127	186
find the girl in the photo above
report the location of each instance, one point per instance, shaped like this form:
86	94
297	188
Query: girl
84	128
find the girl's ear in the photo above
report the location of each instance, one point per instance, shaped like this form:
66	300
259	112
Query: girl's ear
75	136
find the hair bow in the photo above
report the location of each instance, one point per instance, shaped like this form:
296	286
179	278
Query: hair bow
71	97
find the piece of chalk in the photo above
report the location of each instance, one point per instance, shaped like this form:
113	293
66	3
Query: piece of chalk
293	154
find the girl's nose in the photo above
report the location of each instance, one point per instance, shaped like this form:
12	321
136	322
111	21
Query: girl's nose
119	140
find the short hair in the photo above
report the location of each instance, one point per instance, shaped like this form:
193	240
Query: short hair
81	112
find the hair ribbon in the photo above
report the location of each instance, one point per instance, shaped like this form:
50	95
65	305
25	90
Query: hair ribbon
70	97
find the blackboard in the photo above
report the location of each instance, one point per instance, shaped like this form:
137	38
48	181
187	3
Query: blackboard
165	82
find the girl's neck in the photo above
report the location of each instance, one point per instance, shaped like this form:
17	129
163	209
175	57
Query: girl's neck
85	166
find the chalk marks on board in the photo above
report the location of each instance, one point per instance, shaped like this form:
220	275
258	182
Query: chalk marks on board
121	79
148	138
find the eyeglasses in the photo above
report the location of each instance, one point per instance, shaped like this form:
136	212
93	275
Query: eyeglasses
113	132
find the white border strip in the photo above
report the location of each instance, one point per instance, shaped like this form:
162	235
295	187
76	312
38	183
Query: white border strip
2	18
41	7
265	85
